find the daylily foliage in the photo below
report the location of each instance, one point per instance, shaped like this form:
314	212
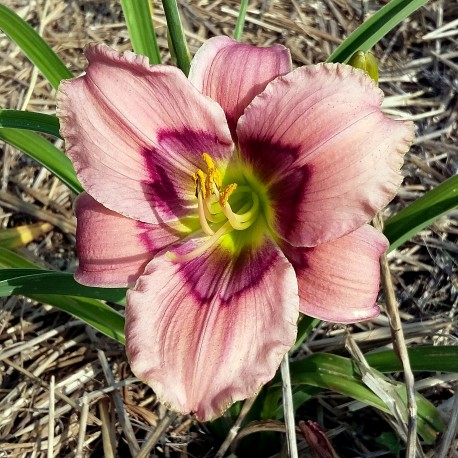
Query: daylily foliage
229	202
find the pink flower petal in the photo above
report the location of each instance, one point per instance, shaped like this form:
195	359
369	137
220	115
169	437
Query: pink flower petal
233	73
339	280
113	250
211	331
331	158
136	133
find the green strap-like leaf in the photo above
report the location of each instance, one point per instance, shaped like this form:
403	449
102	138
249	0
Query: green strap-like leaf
238	31
342	375
375	28
37	122
140	26
40	281
45	153
422	213
93	312
34	47
177	35
425	358
304	328
13	260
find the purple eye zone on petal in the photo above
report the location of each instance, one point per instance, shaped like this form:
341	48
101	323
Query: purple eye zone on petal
192	143
161	186
288	194
246	271
290	180
262	155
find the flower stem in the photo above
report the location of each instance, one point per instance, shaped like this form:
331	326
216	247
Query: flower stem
240	20
177	36
141	30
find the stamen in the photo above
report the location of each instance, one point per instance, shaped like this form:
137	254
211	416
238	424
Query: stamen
210	206
226	193
199	180
213	182
252	213
242	221
215	190
211	215
208	161
213	174
202	214
223	230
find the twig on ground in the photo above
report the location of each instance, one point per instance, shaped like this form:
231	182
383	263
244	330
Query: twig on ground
400	349
82	431
57	392
235	428
444	446
51	418
414	330
108	440
123	418
17	204
288	408
31	343
154	436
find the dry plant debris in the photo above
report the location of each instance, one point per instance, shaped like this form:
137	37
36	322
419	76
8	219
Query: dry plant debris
67	391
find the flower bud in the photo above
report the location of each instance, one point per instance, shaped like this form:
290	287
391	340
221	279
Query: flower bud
365	61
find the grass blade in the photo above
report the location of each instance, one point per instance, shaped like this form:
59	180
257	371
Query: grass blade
39	281
238	31
422	213
45	153
34	47
37	122
375	28
177	36
140	26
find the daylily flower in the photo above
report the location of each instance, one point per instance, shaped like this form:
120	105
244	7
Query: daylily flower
229	202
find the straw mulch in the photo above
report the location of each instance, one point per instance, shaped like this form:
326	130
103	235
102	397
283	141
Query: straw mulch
67	391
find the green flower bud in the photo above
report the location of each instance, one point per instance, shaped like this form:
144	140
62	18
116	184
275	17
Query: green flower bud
365	61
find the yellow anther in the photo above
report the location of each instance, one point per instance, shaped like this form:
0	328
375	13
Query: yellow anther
199	180
213	177
209	183
226	193
209	161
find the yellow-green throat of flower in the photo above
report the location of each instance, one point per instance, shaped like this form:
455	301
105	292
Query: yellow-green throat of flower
218	216
213	200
